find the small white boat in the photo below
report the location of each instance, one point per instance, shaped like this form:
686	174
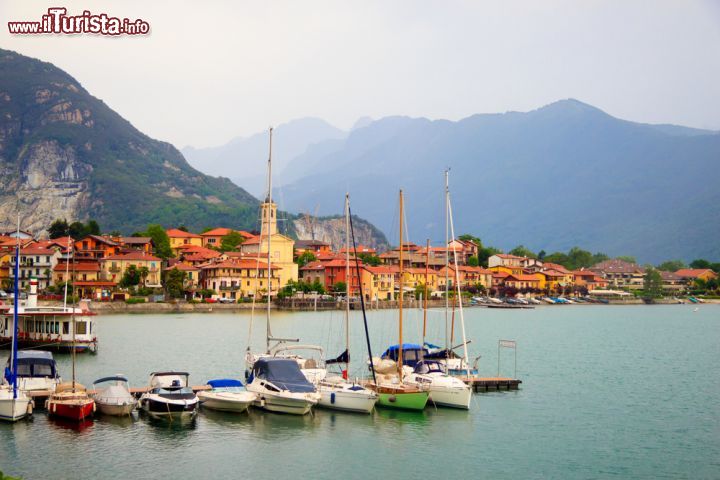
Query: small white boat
534	301
14	404
281	387
338	394
227	395
445	390
114	399
170	396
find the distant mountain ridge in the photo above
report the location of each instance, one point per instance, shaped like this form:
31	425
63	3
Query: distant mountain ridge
243	159
563	175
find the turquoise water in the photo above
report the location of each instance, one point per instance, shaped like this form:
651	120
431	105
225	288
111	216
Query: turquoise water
625	392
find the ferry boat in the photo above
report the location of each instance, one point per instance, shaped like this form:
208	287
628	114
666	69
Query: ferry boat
50	328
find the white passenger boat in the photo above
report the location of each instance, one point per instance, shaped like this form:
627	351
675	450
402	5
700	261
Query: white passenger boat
227	395
113	397
50	328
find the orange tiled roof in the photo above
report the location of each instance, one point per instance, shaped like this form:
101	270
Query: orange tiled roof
175	233
694	272
78	267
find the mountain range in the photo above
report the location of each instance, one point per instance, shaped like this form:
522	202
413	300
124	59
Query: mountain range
66	154
564	175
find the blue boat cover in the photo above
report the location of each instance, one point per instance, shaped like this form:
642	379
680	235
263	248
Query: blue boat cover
116	378
283	373
224	383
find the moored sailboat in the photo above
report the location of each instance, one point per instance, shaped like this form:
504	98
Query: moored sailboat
71	400
14	403
392	389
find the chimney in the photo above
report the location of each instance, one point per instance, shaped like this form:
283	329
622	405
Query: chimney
32	296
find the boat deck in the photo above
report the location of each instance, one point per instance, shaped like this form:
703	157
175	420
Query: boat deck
485	384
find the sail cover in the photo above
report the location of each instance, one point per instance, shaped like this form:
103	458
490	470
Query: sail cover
344	357
283	373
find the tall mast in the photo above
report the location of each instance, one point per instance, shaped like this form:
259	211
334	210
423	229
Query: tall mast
347	278
447	265
425	297
400	295
15	310
74	326
457	283
67	273
267	222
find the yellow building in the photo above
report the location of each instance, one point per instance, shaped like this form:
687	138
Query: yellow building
5	282
509	269
414	277
281	246
378	283
240	279
114	267
180	239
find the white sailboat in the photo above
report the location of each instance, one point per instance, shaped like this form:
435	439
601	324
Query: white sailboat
272	377
336	391
14	403
446	390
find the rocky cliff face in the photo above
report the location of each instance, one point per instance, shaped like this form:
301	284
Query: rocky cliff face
332	231
65	154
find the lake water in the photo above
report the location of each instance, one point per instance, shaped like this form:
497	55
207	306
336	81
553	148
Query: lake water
608	391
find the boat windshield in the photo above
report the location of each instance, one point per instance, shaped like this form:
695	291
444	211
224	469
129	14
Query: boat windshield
429	367
283	373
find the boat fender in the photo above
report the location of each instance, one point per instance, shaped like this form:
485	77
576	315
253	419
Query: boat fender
30	407
94	407
392	399
332	398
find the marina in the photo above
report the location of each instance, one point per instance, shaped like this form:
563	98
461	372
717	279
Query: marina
583	360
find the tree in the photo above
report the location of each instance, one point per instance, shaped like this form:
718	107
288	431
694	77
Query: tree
77	230
653	283
369	259
541	254
131	277
473	261
522	251
485	253
700	263
339	287
174	283
115	233
58	228
557	257
92	228
183	228
230	241
160	240
143	272
671	266
305	258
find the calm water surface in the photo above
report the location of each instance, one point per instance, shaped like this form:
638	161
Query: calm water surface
629	392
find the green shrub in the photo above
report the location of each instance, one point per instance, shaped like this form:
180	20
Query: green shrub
133	300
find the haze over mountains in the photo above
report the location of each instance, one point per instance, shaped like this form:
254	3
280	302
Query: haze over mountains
563	175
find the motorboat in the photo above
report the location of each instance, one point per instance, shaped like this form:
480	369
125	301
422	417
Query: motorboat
281	386
336	393
36	370
169	396
445	390
227	395
70	401
113	397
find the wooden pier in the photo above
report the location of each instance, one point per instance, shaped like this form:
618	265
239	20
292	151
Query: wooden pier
487	384
43	394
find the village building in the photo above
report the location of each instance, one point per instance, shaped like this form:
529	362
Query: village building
35	262
86	278
140	244
282	246
621	274
213	238
588	279
313	246
95	247
237	279
191	282
689	275
468	276
378	283
505	259
672	282
523	281
115	266
180	239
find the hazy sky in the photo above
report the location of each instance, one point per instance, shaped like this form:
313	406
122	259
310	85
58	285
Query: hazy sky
213	70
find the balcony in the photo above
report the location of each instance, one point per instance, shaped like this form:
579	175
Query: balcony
229	288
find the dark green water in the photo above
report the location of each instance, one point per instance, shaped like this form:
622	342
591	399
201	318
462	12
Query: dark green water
625	392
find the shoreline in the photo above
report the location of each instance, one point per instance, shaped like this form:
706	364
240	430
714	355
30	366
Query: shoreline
116	308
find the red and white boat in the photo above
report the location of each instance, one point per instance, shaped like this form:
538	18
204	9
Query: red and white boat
70	401
50	328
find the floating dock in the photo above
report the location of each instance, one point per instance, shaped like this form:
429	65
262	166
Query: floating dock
487	384
43	394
